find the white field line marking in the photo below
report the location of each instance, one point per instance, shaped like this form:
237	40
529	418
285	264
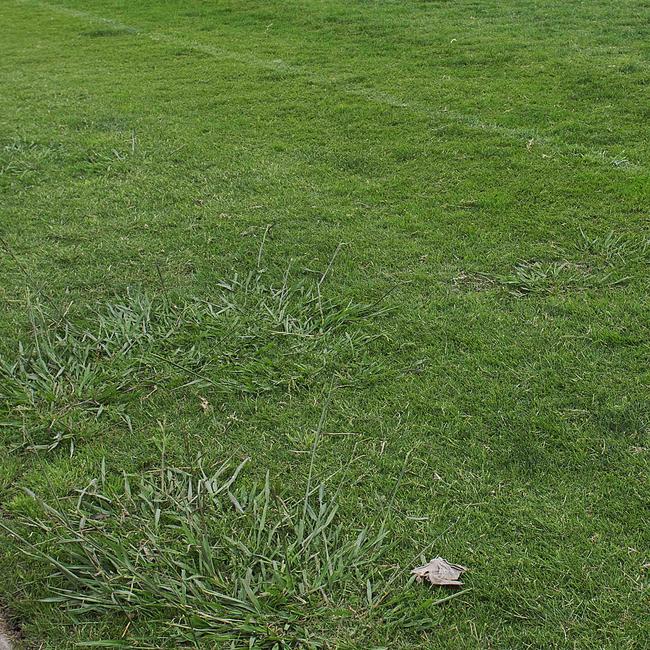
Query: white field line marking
529	136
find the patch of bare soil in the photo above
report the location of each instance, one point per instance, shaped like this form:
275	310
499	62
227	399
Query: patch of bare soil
5	634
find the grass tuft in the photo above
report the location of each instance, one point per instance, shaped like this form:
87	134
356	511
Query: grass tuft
253	337
615	248
552	277
180	557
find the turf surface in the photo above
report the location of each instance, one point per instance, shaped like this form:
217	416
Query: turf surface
462	186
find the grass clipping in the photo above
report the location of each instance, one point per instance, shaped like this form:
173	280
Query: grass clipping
184	558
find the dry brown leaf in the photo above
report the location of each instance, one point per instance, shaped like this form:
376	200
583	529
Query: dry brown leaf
439	572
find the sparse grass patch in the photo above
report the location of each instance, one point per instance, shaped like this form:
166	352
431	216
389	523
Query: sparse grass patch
469	281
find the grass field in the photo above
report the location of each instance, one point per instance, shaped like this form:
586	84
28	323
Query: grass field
297	294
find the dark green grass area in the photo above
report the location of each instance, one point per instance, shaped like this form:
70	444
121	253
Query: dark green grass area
399	250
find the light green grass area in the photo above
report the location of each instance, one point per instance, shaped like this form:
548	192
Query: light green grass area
297	294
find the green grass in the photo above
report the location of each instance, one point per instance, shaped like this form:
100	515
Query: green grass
395	254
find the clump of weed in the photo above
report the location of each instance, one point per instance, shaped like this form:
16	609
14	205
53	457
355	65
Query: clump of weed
188	558
66	370
252	337
605	261
551	277
22	159
614	248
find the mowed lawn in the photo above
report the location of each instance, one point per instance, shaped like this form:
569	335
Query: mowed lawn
393	253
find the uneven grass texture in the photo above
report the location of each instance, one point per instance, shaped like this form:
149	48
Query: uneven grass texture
393	253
